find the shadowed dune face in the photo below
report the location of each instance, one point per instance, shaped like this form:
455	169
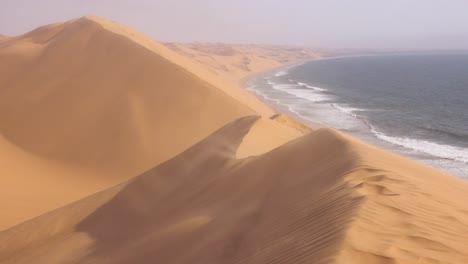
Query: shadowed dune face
224	210
322	198
122	104
96	98
205	206
87	104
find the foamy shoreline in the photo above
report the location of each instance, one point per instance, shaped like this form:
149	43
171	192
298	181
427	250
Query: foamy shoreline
428	152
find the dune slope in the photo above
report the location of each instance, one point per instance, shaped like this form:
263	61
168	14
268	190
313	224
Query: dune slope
322	198
89	103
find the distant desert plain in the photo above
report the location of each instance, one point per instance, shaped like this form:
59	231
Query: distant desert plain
119	149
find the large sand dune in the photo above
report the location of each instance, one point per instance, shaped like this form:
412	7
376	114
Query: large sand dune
87	104
321	198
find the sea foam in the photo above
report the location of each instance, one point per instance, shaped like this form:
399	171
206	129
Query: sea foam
349	110
431	148
422	146
281	73
298	91
427	147
312	87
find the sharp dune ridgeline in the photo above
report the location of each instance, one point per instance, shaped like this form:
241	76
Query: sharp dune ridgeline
117	149
89	103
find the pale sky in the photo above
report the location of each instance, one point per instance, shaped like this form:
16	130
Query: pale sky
403	24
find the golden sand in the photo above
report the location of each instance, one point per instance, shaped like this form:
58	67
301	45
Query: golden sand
119	150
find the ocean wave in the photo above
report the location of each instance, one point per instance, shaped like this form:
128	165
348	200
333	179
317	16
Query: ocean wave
275	101
311	87
454	134
422	146
253	88
349	110
299	92
427	147
281	73
314	94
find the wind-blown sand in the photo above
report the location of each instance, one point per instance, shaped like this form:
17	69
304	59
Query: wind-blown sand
88	102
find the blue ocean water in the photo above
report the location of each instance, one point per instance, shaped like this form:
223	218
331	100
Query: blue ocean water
413	104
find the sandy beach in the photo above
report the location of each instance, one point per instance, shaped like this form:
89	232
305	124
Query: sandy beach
119	149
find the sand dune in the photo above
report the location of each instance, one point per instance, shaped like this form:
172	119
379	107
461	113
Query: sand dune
237	62
322	198
89	104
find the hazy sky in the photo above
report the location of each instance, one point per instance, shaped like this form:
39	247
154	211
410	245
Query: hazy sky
326	23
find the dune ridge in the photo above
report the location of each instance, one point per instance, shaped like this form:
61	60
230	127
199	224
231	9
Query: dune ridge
90	103
220	179
324	197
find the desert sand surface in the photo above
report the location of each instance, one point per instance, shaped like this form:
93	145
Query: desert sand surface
89	103
238	62
3	38
322	198
120	150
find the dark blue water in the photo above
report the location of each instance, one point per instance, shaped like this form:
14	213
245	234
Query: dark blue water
416	104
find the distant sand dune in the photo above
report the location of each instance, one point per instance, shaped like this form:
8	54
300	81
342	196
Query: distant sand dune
89	104
237	62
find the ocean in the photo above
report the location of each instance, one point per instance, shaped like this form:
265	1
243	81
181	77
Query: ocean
412	104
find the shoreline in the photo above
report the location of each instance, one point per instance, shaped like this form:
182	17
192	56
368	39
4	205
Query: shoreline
244	81
251	76
433	160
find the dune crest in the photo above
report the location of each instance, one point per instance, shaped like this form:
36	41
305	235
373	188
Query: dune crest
319	198
99	103
119	150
